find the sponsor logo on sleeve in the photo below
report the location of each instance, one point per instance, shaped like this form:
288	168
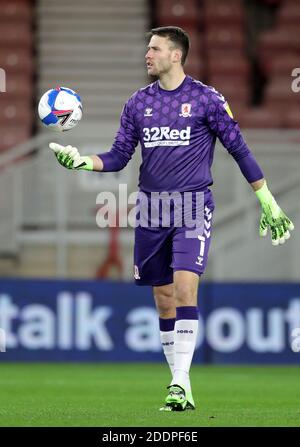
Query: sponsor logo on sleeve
227	108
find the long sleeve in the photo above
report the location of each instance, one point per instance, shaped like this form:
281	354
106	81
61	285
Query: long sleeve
222	124
124	144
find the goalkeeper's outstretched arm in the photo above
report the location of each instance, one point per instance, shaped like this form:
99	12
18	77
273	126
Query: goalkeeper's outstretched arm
272	216
116	159
223	125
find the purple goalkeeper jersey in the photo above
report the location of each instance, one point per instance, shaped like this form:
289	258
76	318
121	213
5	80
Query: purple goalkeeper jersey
177	130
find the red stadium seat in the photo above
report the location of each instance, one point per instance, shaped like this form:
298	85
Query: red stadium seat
196	40
227	66
292	118
276	49
289	15
194	65
16	10
261	118
16	60
220	13
215	4
13	135
237	107
234	89
19	35
19	86
280	64
14	113
182	13
224	38
237	53
279	93
195	69
271	2
280	39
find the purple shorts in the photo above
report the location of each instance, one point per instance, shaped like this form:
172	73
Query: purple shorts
161	250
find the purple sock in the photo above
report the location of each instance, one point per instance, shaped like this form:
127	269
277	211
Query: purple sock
166	324
187	313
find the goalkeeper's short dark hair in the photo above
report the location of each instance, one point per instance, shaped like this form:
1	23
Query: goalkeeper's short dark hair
176	35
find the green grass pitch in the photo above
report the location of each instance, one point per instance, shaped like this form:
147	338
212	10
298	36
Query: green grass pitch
129	395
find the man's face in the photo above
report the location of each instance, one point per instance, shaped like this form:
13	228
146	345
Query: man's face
160	56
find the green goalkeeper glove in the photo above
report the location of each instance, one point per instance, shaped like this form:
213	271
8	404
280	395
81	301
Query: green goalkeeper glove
69	157
272	216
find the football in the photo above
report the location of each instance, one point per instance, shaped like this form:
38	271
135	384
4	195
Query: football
60	109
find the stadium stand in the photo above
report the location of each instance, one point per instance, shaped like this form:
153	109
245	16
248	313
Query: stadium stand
92	41
278	54
98	49
184	13
16	58
231	52
187	15
214	27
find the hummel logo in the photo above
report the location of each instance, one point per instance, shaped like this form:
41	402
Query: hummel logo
207	213
207	224
136	272
148	112
199	261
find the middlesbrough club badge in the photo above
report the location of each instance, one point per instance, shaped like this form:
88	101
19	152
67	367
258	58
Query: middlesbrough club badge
186	110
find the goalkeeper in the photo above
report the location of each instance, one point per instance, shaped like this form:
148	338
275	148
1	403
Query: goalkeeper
177	119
